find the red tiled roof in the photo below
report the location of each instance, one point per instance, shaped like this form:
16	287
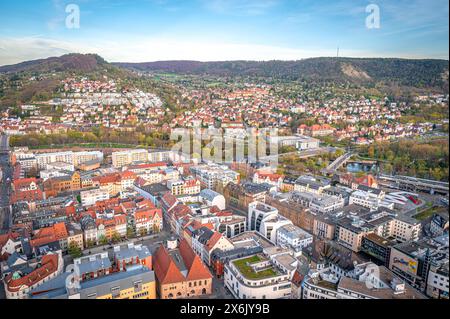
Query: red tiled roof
213	240
167	272
23	183
128	175
5	237
272	177
107	179
165	268
49	266
297	278
49	234
150	165
180	211
29	196
169	200
196	269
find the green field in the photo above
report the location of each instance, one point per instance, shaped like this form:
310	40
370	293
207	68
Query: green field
86	145
244	267
428	213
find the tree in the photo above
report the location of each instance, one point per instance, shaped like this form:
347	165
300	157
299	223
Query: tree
371	152
143	232
103	240
90	243
339	152
116	237
130	232
74	250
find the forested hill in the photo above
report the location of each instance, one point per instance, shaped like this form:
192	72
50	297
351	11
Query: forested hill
402	72
69	62
416	73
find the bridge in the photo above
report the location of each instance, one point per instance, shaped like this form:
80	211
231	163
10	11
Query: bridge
414	184
333	167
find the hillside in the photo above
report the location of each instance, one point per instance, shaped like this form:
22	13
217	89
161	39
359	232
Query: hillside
69	62
416	73
39	79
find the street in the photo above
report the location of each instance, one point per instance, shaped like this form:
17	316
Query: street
5	185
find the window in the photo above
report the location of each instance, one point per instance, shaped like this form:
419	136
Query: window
137	286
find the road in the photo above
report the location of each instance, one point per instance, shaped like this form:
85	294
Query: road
4	143
301	154
5	185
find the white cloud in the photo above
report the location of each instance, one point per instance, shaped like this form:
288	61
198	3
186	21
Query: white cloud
156	49
142	50
240	7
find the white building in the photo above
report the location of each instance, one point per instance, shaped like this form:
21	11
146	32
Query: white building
212	175
265	220
318	203
256	277
213	198
367	281
73	158
309	184
60	166
128	157
368	197
298	141
293	236
90	197
437	283
19	284
47	174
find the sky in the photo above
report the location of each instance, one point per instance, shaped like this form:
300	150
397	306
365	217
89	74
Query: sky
217	30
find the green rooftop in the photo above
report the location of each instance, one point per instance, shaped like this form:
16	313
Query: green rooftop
244	266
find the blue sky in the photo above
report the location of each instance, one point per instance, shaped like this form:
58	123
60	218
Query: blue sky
211	30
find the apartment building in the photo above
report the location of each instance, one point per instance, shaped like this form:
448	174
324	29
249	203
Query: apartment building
90	197
74	158
257	277
293	237
232	226
123	158
265	220
310	184
368	281
318	203
96	277
186	186
62	184
213	175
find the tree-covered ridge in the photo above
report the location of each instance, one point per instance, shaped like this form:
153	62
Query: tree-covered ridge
416	73
69	62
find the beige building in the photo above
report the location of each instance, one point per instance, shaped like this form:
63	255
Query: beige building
75	235
120	159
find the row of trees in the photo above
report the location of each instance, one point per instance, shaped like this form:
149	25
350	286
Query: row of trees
96	135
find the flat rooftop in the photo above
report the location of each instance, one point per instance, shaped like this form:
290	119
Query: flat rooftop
252	236
247	269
